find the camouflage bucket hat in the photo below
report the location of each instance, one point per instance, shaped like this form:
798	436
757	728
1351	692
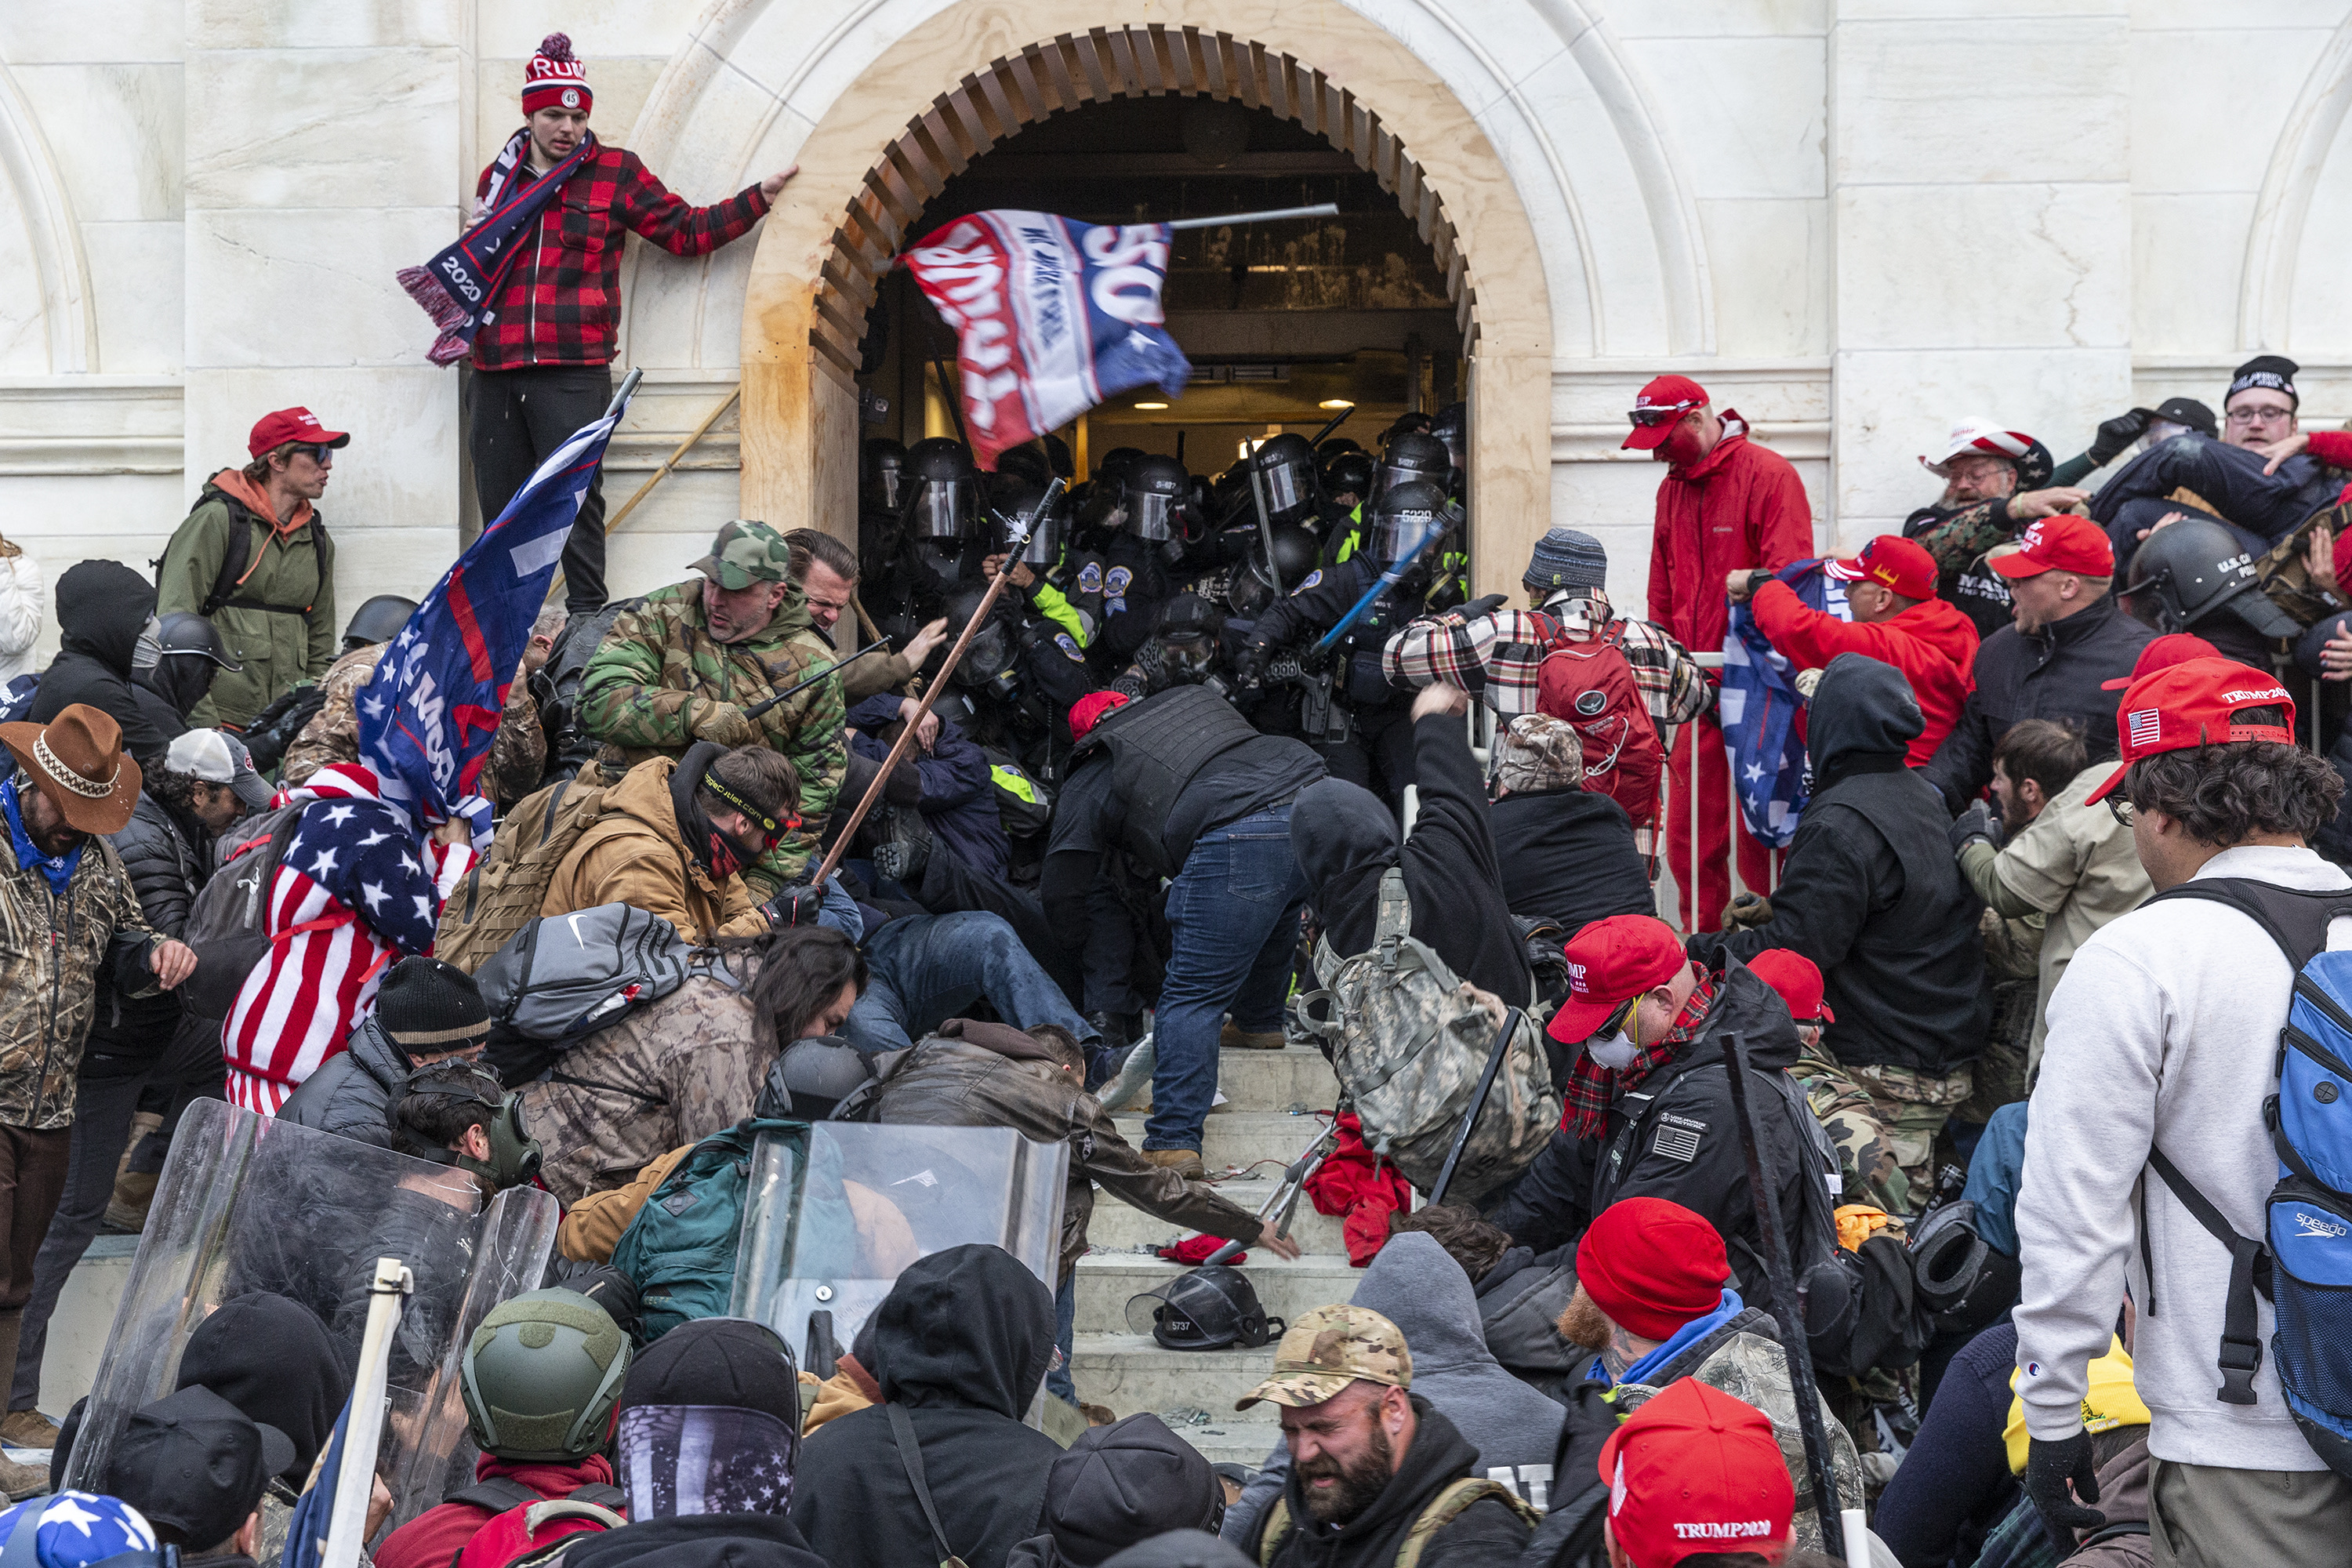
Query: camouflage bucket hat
745	553
1326	1350
1539	751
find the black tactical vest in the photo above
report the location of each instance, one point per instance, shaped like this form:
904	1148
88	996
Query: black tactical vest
1157	746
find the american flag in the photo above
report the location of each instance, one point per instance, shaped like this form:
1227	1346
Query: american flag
2143	728
306	1533
1758	710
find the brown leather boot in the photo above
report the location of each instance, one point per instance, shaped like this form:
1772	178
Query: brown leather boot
134	1194
1234	1038
27	1429
1185	1163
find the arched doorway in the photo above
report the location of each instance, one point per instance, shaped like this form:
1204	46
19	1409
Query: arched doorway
1319	64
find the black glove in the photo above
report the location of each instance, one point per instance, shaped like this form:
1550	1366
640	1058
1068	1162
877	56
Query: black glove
2048	1467
793	907
1249	668
1974	826
1486	606
2116	434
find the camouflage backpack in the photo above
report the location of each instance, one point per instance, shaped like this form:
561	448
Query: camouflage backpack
503	892
1409	1042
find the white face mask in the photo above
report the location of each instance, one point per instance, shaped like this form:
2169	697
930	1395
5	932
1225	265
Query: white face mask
1616	1053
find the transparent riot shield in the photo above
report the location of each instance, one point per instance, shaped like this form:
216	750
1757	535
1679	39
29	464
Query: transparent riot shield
834	1214
247	1204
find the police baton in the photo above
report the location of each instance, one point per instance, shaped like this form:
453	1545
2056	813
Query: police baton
798	687
1792	1315
932	689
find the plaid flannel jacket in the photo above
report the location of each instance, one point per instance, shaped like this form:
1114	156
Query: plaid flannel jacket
561	303
1495	656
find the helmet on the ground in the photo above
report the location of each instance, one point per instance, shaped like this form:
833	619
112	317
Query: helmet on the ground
1206	1308
542	1375
1255	587
1959	1276
1156	490
1411	457
1285	465
811	1080
2196	569
1402	516
378	620
886	472
942	489
1046	529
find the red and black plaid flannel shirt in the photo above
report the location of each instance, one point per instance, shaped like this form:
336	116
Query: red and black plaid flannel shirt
1593	1088
562	302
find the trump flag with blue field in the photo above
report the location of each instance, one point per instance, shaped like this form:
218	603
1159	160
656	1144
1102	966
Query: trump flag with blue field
427	718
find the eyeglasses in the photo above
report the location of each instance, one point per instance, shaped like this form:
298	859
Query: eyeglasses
2120	809
2259	416
1650	418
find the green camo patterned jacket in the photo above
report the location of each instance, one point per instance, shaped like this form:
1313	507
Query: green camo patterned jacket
53	955
657	672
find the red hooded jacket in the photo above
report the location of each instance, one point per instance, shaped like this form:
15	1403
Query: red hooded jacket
435	1537
1741	505
1932	644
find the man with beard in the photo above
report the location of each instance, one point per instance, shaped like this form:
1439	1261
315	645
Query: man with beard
1371	1464
1995	482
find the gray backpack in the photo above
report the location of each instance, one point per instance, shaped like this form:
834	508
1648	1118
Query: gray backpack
563	976
227	925
1409	1041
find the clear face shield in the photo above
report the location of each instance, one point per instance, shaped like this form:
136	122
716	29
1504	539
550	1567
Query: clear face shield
890	483
1289	489
1397	534
1249	593
943	510
1044	546
1152	516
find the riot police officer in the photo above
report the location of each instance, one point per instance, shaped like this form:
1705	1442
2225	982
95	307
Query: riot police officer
1136	560
1409	457
939	511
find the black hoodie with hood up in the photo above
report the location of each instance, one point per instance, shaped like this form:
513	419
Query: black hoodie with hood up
963	1340
102	606
1871	893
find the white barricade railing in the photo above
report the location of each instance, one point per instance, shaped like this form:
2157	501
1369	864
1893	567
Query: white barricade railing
1687	872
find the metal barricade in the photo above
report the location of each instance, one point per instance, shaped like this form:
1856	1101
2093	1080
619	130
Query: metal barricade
1684	750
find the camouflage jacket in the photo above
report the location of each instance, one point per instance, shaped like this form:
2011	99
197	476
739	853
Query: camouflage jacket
52	958
518	752
1744	1358
657	669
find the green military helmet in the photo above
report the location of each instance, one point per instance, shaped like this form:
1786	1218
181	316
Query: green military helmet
746	552
541	1376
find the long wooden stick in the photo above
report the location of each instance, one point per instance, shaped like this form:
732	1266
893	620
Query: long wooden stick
938	684
671	462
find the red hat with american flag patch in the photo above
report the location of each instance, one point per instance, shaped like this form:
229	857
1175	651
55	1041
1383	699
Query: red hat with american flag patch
2195	704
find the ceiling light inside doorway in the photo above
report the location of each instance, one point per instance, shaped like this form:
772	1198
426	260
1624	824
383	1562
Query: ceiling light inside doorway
1152	405
1336	402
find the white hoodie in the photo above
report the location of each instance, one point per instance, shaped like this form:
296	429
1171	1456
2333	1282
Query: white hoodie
2165	1029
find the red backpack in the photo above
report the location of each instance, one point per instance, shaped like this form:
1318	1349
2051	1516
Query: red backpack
1587	682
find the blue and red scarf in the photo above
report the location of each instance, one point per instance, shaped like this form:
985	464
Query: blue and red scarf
456	287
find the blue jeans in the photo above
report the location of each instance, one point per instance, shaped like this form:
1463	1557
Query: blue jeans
1233	914
928	968
1066	1321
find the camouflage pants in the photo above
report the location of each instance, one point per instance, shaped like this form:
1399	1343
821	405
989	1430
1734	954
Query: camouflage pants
1913	1107
1865	1155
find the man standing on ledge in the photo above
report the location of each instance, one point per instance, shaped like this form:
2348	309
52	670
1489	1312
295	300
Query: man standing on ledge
1727	504
540	358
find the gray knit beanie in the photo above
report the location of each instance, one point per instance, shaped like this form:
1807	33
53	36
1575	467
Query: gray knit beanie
1565	558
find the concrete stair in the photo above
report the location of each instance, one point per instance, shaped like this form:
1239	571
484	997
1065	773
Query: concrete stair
1270	1096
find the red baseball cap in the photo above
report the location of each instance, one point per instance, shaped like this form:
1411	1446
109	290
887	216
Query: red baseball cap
272	431
1696	1471
1660	408
1087	712
2192	704
1902	565
2163	653
1609	961
2062	541
1797	978
1652	1266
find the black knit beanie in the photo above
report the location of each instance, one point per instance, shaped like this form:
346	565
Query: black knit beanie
2273	371
429	1006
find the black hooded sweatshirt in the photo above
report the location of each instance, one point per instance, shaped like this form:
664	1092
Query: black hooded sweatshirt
963	1340
1489	1531
1871	893
1345	837
102	606
1569	853
698	1540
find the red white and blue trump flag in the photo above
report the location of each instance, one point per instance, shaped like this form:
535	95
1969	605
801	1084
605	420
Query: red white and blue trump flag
1052	316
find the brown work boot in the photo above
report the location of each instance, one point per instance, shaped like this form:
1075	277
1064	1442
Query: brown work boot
27	1429
1185	1163
19	1482
1234	1038
134	1194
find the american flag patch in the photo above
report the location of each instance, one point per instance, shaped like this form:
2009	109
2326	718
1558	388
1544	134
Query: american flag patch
1676	1143
2143	728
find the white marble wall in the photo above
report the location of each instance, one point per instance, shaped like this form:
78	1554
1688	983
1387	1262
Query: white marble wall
1853	219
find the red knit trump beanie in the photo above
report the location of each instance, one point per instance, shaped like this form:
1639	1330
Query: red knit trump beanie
554	79
1652	1266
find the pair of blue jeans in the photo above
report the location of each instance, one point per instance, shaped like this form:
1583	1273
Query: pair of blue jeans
1233	914
928	968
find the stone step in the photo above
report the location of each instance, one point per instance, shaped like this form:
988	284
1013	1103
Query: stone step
1295	1078
1233	1139
1285	1288
1117	1227
1131	1374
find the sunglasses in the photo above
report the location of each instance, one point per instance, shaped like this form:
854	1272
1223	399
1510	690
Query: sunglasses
1650	418
1617	1022
320	452
2120	809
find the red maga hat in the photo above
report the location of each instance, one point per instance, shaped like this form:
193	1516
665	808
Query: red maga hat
1660	408
2195	704
1087	712
2062	541
1609	961
1696	1471
2163	653
272	431
1798	979
1899	563
1652	1266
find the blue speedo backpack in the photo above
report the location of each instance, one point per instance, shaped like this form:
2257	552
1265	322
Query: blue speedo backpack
2303	1263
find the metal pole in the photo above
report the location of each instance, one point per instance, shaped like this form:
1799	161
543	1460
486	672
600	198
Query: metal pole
1264	524
955	404
799	686
1320	210
670	462
1477	1104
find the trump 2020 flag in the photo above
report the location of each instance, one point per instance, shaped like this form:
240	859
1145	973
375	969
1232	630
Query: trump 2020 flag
1051	317
427	718
1760	707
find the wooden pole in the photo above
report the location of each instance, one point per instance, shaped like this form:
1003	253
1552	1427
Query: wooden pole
659	473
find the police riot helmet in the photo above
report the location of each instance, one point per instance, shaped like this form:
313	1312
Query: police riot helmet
811	1080
541	1376
1254	586
1452	427
1206	1308
1188	638
1285	465
1412	456
1021	507
2194	569
1959	1277
378	620
943	495
886	472
1112	470
1349	473
1411	423
1404	514
1156	490
990	653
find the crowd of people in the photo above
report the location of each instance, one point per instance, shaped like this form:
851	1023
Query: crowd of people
1918	1167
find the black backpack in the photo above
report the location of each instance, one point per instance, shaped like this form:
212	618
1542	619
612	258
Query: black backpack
228	923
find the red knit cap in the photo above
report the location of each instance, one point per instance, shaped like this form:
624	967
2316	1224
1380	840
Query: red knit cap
1652	1266
554	79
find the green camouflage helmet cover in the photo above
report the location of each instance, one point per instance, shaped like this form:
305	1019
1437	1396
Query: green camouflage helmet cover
1329	1348
541	1376
746	552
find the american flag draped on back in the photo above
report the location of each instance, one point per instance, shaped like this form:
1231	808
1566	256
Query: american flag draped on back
1759	709
1052	316
427	718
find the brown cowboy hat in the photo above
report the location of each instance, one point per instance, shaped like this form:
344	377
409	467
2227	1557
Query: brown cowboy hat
77	759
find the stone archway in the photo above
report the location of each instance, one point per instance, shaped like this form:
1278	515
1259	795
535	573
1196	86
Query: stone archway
1314	61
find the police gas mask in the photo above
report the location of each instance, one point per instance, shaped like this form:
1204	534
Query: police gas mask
987	664
1187	660
435	1110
